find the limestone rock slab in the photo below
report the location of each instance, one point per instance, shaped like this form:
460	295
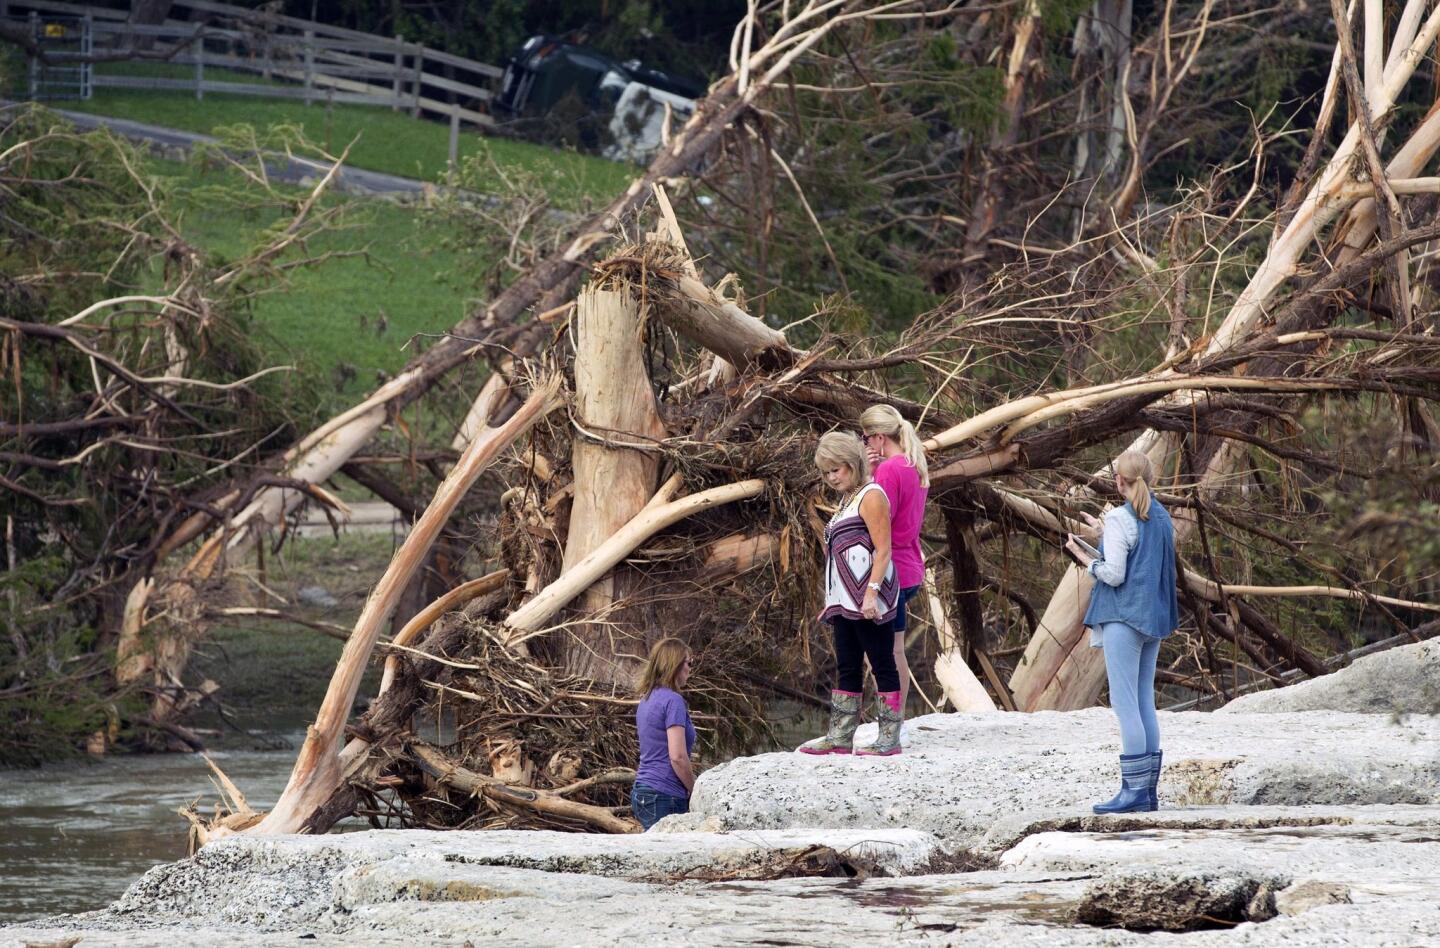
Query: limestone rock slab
1401	680
962	772
1343	878
282	880
1356	854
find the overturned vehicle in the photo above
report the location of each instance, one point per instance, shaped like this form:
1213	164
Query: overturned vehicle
562	91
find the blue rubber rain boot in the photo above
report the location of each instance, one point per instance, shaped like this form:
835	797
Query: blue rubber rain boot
1134	795
1152	797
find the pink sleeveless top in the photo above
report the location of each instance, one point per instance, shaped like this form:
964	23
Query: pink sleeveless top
901	483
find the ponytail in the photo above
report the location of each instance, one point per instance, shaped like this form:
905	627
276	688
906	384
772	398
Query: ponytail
1135	467
914	451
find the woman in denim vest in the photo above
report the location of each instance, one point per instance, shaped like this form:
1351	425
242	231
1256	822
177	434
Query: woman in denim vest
1133	608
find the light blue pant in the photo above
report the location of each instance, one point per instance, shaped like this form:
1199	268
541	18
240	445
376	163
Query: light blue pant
1130	665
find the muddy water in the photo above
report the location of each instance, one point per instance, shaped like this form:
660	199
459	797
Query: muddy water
74	835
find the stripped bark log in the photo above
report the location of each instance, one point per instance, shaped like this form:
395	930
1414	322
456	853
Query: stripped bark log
426	617
616	468
959	684
725	329
132	660
739	553
660	513
317	771
451	774
1044	679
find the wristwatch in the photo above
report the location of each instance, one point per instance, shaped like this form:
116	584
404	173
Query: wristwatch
874	586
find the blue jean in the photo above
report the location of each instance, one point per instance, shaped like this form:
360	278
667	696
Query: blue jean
650	805
1130	665
906	594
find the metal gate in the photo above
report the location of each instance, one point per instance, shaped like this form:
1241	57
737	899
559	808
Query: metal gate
64	72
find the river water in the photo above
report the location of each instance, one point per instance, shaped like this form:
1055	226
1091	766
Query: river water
73	836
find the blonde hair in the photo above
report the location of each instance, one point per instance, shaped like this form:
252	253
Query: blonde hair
840	448
662	669
884	419
1135	467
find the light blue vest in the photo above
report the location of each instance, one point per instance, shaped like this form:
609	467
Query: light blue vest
1145	601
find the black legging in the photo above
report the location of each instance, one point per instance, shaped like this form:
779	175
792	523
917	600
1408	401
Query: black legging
857	639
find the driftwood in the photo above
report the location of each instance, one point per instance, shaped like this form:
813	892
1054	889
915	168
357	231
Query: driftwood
426	617
615	465
959	684
451	774
317	769
659	513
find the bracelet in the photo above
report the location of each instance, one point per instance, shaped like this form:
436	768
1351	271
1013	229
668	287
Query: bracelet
874	586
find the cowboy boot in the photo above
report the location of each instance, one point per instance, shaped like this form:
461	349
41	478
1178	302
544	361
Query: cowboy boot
844	719
1134	795
889	716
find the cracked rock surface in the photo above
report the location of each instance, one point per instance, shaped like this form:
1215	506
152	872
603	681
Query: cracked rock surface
960	773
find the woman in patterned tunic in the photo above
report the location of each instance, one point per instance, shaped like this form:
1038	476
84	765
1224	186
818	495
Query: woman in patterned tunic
861	594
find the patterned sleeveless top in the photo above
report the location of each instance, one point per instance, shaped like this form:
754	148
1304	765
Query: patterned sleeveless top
849	555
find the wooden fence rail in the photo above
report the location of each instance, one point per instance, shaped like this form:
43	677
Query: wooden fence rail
302	59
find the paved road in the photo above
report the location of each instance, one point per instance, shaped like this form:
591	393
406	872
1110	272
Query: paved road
287	169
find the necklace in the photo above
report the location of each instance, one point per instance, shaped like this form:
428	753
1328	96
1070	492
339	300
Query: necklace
845	500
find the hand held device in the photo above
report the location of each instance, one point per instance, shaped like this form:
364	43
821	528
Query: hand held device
1084	546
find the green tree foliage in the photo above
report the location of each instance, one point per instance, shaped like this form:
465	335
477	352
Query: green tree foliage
115	425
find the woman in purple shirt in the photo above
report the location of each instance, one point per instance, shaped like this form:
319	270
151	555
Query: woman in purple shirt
665	777
898	459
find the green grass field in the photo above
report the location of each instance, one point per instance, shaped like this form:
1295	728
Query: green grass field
345	323
346	320
384	140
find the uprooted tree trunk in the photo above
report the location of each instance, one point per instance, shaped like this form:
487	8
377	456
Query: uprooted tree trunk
615	464
317	768
613	395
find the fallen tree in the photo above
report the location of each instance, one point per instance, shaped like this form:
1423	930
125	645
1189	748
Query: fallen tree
1279	351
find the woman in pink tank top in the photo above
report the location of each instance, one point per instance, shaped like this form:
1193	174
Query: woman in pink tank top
898	458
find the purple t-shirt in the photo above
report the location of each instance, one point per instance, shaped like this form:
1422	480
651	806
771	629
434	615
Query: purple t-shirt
660	710
901	483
